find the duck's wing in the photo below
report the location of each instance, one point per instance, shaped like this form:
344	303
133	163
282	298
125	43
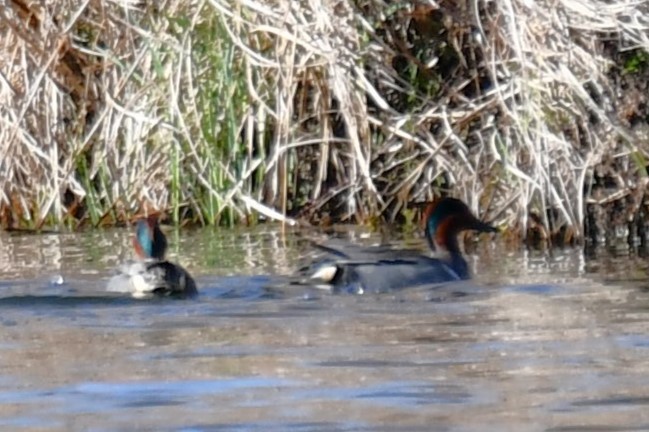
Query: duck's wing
334	250
352	253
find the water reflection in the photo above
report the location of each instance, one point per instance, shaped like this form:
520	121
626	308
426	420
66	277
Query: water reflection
537	341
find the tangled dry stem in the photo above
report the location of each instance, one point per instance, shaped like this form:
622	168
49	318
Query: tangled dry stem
354	109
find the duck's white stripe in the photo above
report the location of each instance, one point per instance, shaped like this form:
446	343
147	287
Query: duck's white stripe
325	273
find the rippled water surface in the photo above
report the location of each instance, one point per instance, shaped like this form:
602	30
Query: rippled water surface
536	342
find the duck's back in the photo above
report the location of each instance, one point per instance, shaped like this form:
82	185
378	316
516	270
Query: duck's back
380	269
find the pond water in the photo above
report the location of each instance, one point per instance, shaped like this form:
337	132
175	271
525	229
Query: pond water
535	342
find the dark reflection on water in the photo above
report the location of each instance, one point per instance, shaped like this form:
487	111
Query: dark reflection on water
537	341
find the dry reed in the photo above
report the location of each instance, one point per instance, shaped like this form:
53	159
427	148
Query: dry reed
212	110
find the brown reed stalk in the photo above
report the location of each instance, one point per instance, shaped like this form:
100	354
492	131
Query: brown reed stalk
212	110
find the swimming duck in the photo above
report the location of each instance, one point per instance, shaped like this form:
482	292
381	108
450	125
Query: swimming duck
152	274
360	269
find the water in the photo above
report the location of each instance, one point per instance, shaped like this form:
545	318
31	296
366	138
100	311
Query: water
536	342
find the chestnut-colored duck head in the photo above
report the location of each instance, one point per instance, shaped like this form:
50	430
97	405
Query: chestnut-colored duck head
445	218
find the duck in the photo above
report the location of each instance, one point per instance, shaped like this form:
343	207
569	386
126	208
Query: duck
151	274
358	269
